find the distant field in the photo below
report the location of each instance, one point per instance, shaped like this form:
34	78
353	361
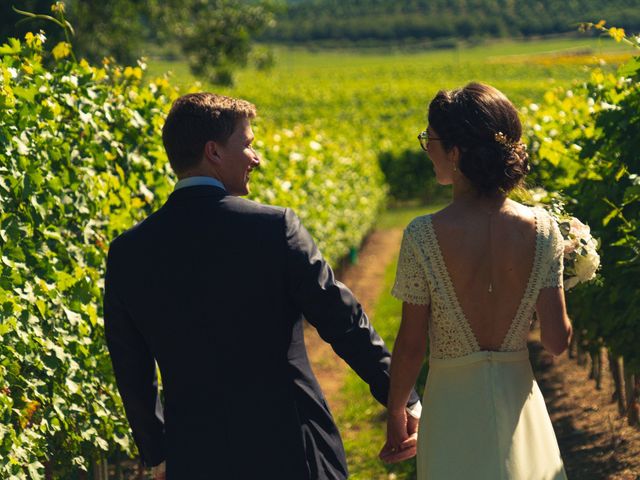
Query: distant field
379	100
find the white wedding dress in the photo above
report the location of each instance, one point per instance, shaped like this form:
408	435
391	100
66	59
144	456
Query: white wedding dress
484	417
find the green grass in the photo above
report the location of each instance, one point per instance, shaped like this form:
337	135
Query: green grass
400	217
362	421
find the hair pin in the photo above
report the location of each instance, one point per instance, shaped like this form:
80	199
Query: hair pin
502	138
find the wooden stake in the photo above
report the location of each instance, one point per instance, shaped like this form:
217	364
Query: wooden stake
633	407
617	372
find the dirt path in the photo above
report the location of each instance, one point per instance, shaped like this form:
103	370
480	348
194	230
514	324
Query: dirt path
365	279
596	444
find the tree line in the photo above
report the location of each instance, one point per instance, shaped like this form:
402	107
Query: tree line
362	21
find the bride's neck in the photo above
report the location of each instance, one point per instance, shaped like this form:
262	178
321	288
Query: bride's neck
465	195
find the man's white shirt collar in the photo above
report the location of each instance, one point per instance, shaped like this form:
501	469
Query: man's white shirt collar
196	181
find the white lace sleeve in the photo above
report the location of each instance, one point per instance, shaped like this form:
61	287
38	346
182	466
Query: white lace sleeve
554	265
411	281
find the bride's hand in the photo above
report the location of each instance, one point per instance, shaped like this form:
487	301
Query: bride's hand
400	445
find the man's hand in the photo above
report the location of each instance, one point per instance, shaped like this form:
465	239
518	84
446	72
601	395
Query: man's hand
407	450
159	472
402	438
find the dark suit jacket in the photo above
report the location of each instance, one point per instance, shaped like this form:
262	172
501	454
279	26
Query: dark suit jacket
214	288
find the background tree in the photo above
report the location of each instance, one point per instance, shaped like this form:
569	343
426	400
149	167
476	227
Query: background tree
109	28
215	35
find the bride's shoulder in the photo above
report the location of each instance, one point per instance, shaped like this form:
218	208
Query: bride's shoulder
524	213
419	224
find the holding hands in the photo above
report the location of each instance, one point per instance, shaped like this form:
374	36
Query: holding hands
402	437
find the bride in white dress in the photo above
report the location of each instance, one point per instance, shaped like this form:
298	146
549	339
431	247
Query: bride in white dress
470	277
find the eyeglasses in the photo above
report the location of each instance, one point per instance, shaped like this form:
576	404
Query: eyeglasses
424	139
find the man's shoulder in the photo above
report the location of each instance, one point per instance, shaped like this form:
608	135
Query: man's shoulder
251	207
249	213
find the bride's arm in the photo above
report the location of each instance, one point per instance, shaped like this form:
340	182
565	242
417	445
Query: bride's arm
555	326
408	355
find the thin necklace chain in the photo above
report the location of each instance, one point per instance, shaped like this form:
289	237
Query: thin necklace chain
490	212
490	255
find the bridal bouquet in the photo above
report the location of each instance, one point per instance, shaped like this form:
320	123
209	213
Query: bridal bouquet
581	259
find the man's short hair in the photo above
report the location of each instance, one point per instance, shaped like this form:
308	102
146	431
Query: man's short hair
197	118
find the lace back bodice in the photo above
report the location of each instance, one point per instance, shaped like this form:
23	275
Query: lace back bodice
422	278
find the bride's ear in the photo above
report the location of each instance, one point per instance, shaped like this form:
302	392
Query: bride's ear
454	157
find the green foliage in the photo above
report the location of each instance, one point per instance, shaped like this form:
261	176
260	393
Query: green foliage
376	22
335	189
81	161
409	175
585	141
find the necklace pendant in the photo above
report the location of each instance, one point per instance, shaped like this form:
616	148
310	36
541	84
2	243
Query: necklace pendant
490	287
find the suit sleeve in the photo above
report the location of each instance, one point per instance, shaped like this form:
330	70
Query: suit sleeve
332	309
135	371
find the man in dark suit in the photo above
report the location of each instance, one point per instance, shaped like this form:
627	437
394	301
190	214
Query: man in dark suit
213	288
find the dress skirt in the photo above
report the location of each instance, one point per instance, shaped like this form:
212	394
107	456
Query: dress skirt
484	418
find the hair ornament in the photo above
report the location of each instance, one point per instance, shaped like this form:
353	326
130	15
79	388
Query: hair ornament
502	139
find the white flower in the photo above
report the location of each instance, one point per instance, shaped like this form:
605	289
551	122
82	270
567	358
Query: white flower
286	185
581	259
70	79
295	157
586	266
315	145
276	137
569	93
609	106
534	107
13	72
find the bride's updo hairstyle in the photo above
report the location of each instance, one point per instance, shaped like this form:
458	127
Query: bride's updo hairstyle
482	122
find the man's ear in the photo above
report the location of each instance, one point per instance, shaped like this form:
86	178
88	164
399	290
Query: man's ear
211	152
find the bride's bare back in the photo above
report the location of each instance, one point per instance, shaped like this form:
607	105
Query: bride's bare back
489	255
